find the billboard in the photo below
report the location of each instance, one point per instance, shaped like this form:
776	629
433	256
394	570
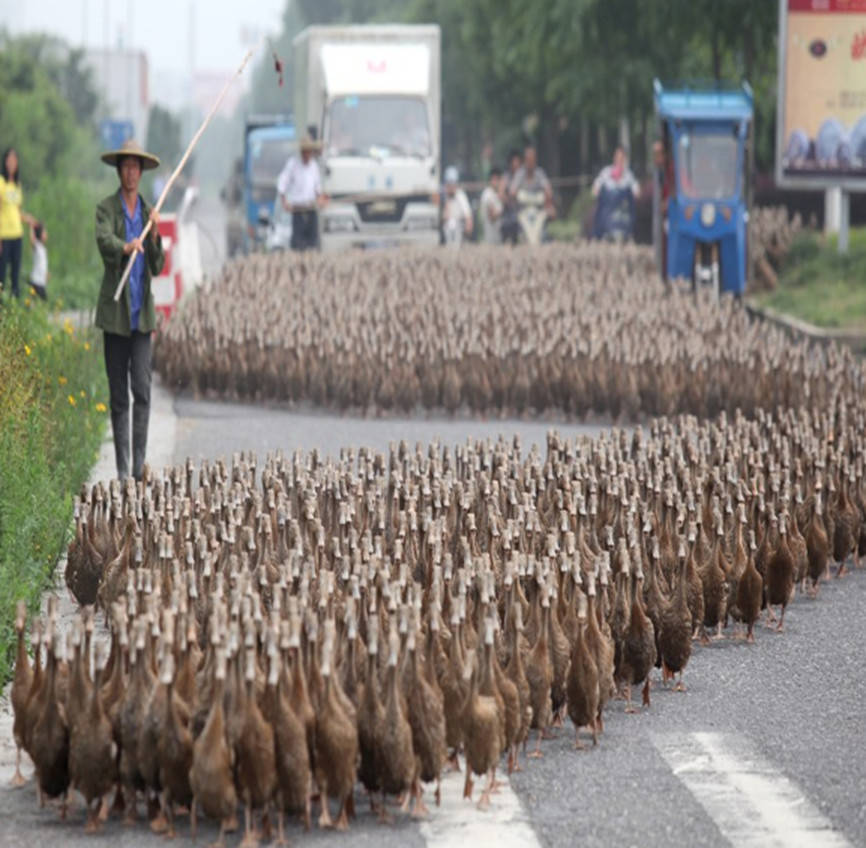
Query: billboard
821	118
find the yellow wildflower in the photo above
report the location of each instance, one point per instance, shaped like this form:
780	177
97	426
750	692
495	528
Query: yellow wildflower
71	399
27	350
87	345
68	328
100	407
81	393
61	380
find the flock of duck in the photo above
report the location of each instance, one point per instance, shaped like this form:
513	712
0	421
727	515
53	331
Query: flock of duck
277	633
572	329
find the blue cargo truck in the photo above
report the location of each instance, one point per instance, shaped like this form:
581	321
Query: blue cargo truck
269	140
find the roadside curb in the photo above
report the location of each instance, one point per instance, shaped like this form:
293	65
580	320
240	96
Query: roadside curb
855	339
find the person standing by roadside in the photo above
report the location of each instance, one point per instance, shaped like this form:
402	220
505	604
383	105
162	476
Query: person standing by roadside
127	324
11	218
491	209
457	222
39	271
300	189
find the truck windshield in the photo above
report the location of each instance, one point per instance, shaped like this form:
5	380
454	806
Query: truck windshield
267	158
380	125
707	165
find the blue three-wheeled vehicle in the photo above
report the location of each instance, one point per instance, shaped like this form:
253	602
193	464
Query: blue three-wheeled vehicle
701	196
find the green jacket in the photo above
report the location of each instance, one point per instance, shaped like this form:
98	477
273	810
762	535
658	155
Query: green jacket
110	238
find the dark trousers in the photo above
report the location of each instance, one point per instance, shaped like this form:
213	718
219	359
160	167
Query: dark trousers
40	290
129	357
305	230
11	256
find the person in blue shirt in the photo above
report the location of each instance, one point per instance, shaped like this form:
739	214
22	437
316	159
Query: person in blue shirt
129	322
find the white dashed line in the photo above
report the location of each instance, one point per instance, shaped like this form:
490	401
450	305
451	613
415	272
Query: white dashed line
750	801
457	823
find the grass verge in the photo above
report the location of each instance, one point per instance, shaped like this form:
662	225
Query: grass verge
818	285
53	400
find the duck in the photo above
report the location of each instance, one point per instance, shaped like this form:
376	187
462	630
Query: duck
583	681
336	747
817	545
481	733
292	759
255	755
131	714
49	743
601	645
515	671
750	591
174	747
539	675
93	750
426	714
22	683
371	721
780	573
639	645
675	638
396	757
846	531
211	773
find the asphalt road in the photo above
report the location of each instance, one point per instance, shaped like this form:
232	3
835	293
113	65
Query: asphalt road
783	720
210	429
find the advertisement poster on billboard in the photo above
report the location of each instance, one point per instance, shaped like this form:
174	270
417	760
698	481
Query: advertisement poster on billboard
821	126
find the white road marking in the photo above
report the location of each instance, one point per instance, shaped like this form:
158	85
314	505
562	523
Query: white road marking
750	801
458	823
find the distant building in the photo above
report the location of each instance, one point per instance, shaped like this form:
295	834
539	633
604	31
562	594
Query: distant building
122	78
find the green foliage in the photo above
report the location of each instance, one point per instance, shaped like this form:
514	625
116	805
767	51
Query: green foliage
52	416
47	111
550	70
163	134
67	207
52	130
818	285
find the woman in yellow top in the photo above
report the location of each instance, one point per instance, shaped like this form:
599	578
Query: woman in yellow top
11	217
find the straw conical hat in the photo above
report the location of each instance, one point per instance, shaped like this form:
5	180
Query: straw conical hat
309	143
131	147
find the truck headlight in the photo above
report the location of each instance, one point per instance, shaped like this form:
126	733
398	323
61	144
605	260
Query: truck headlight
339	224
708	214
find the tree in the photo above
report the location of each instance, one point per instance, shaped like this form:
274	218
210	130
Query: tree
163	134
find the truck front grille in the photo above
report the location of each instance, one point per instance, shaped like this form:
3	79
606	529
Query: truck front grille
387	210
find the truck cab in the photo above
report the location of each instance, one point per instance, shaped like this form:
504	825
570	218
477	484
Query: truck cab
371	94
701	197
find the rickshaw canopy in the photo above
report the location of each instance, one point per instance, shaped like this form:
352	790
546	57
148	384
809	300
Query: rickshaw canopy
705	104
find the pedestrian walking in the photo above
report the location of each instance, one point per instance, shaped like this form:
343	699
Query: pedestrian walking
128	323
12	220
491	209
300	189
39	249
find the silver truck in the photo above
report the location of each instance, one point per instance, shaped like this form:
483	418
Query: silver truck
372	95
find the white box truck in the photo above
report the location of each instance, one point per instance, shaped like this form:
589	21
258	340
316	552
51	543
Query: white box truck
372	95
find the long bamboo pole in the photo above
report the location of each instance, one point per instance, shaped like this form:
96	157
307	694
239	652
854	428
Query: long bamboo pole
177	170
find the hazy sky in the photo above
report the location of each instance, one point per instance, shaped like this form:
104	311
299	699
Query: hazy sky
159	27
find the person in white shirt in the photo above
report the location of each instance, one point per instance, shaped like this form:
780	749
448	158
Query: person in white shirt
457	221
39	272
299	187
491	209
